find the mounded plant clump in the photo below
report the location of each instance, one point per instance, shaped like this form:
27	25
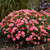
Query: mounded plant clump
27	27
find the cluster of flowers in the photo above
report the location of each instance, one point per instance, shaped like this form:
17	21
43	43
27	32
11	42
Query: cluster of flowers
27	27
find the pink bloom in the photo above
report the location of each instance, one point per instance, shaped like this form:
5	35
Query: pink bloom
18	25
40	18
19	32
8	36
1	23
42	22
7	23
26	21
11	36
31	29
31	39
45	40
4	23
27	39
11	24
23	33
30	22
42	30
39	38
23	36
3	20
3	29
4	32
27	17
17	36
22	28
21	42
36	15
35	38
30	36
34	43
33	33
27	26
2	26
35	28
48	27
22	21
13	39
8	29
10	14
38	43
11	32
36	22
48	39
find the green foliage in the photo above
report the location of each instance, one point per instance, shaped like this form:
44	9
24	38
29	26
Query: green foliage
7	6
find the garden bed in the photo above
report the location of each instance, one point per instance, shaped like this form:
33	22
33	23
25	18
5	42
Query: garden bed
38	47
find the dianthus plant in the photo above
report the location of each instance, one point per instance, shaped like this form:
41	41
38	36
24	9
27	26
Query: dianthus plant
27	27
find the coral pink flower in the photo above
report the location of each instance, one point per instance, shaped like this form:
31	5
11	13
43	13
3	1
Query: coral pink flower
27	17
27	39
26	21
31	39
23	33
31	29
35	28
9	15
17	36
18	25
36	22
33	33
45	40
8	36
19	32
35	43
39	38
11	24
23	36
3	29
13	39
35	38
21	42
38	43
1	23
27	26
22	28
48	27
40	18
22	21
11	32
8	29
11	36
30	36
36	15
48	39
4	32
4	23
